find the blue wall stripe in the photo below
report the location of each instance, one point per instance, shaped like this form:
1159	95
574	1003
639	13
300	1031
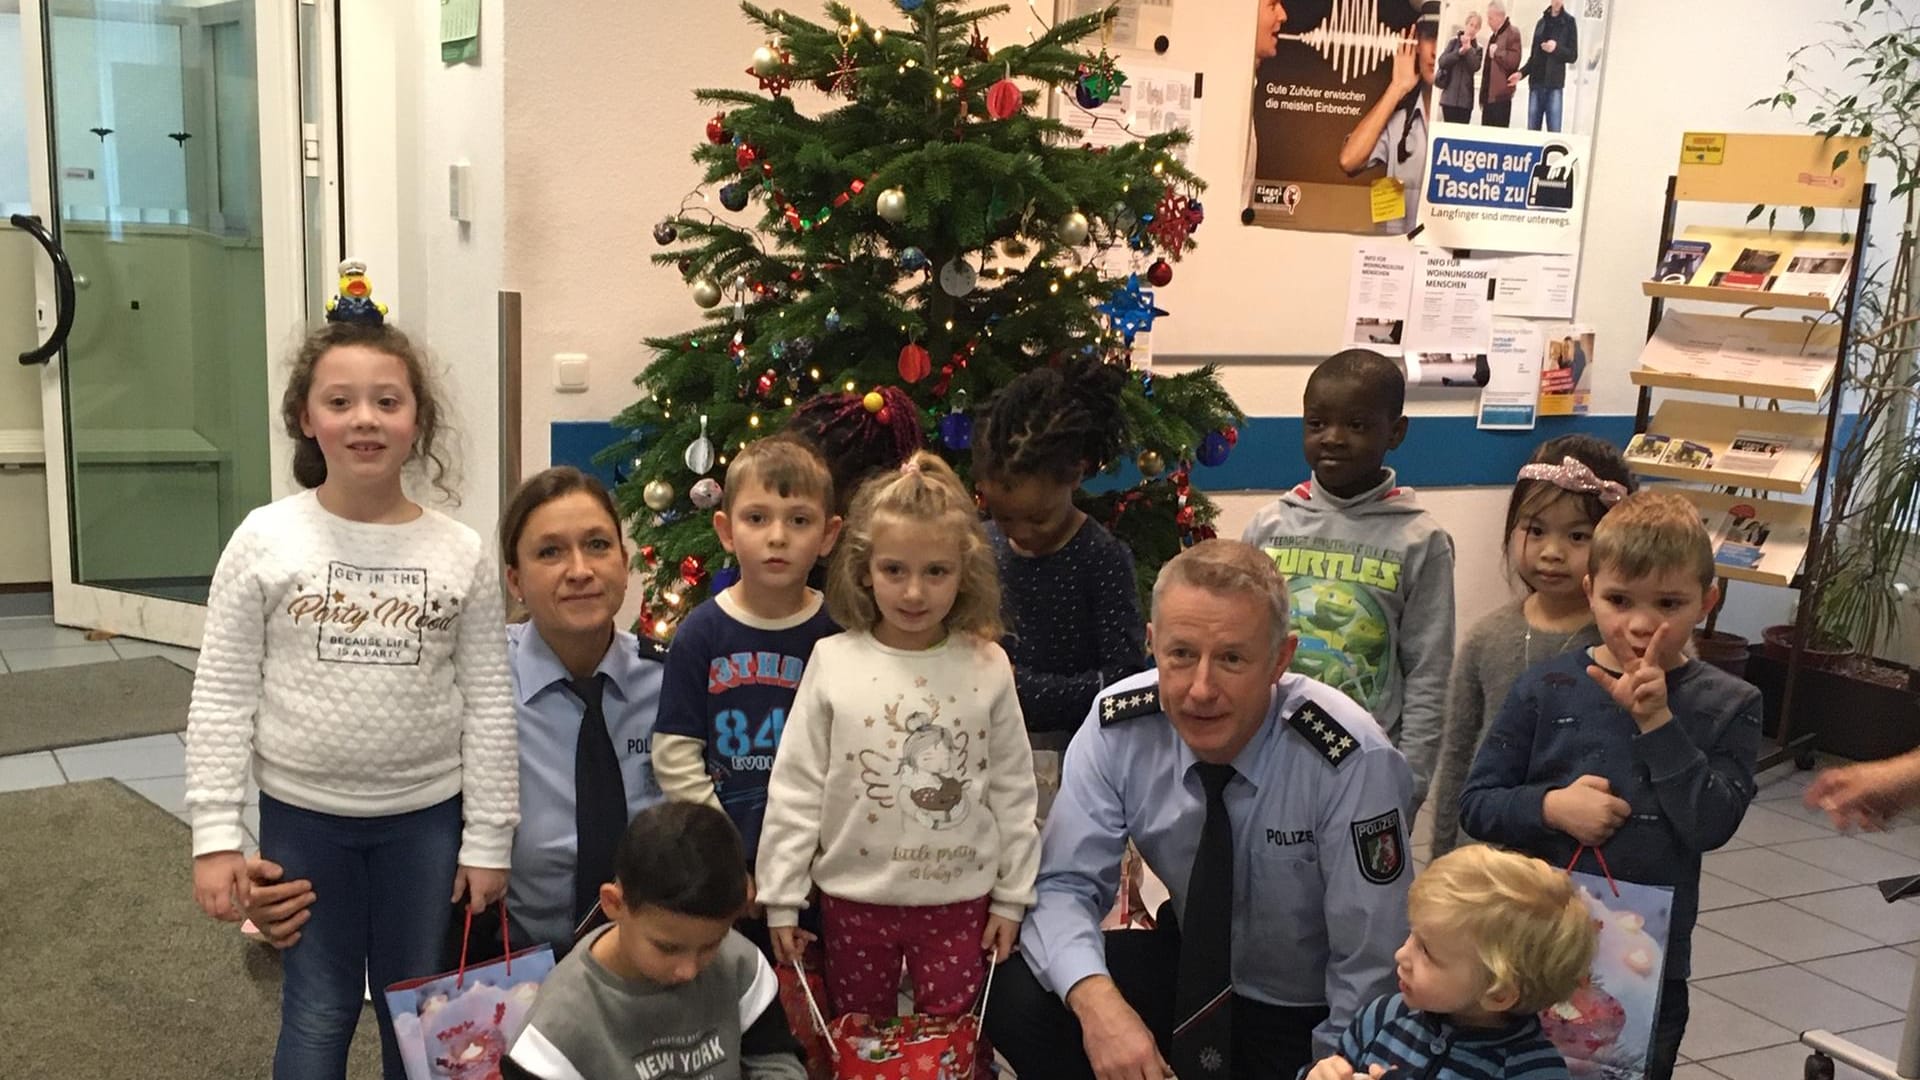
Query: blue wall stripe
1440	451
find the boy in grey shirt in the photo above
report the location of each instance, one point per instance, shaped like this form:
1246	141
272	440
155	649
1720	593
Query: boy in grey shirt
668	990
1369	571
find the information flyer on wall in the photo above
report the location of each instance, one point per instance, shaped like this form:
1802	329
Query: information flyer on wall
1342	93
1153	101
1378	290
1519	191
1566	371
1136	23
1510	400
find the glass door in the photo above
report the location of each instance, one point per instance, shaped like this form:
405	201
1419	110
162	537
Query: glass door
165	161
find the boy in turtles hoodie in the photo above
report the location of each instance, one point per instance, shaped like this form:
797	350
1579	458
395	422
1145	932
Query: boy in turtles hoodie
1369	571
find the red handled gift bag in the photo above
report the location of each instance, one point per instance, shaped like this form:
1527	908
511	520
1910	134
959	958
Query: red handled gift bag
1605	1028
458	1026
801	984
913	1047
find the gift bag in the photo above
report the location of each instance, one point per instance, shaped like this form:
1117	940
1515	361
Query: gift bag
1605	1028
914	1047
801	983
458	1026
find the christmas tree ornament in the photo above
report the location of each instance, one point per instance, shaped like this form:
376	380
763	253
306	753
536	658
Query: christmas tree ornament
1150	463
664	233
1174	220
705	292
1130	309
1214	449
768	60
699	456
873	402
745	156
977	50
909	5
799	350
1096	82
845	76
692	569
766	382
725	578
1072	229
1004	99
832	320
658	495
734	197
891	205
1160	273
912	259
915	364
776	80
650	555
958	277
717	132
705	493
956	430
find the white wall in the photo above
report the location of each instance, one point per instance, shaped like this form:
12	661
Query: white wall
408	117
601	122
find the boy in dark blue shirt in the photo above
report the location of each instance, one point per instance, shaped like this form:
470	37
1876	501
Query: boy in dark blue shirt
1632	747
735	662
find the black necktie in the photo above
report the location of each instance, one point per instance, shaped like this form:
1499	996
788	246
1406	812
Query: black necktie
1203	997
599	798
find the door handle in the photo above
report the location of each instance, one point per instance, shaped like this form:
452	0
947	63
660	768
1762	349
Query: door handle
63	287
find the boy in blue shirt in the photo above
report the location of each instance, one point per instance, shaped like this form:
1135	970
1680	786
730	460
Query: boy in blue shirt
1632	746
1494	938
735	662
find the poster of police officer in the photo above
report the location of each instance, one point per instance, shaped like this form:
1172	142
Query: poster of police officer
1342	91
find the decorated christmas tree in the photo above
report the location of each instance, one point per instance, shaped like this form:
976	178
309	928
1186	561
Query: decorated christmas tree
903	230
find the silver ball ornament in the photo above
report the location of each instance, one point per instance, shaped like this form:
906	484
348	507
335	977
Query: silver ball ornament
705	493
705	292
891	205
1151	464
658	495
766	60
1073	229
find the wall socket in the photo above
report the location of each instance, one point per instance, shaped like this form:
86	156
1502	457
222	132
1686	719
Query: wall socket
570	373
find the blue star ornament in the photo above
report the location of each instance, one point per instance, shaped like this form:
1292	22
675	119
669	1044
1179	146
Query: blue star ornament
1130	309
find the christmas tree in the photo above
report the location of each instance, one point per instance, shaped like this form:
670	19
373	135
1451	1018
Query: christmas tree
918	236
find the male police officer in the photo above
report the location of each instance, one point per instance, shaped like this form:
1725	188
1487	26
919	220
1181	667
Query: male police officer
1274	809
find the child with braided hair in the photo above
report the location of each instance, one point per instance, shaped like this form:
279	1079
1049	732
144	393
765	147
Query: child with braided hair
1068	584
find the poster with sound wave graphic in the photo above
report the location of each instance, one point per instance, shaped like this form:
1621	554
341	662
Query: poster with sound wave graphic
1341	94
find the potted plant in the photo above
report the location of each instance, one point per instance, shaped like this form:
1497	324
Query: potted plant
1851	594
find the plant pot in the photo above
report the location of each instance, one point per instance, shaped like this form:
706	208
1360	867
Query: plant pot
1852	717
1728	652
1777	641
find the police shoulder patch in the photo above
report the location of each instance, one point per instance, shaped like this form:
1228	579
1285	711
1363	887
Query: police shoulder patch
1127	704
651	649
1378	847
1321	730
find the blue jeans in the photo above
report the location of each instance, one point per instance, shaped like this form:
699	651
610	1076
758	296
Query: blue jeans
1543	105
380	915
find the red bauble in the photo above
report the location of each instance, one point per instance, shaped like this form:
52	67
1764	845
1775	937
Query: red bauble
1160	273
692	569
1184	519
717	129
745	156
650	554
1004	99
915	364
766	382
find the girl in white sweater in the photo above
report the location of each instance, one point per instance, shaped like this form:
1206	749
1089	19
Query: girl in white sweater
903	788
353	660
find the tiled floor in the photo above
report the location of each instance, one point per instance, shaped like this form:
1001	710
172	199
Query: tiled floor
1792	934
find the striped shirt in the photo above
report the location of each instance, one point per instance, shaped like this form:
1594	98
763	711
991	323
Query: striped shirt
1415	1045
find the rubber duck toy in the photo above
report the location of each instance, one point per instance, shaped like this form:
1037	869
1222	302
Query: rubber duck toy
355	302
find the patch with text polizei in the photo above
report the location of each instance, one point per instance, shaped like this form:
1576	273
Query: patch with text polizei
651	649
1127	704
1323	731
1376	843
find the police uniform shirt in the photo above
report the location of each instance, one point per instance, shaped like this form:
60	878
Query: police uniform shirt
540	892
1320	845
1402	148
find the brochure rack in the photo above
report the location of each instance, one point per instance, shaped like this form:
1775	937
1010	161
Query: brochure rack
1752	456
